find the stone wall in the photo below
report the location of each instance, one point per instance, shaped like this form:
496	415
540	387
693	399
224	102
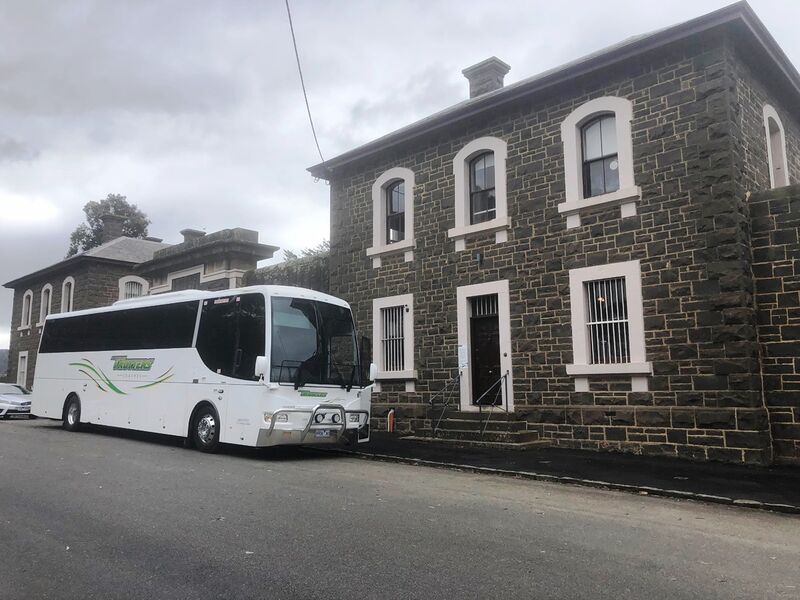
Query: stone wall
96	284
690	234
776	267
308	272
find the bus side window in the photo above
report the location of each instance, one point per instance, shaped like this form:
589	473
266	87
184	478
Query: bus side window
232	334
252	334
216	338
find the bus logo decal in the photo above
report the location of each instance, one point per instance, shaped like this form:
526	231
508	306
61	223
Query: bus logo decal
310	394
103	381
94	373
123	363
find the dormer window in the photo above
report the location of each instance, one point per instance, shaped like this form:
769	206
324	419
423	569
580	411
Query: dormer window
482	201
600	161
395	212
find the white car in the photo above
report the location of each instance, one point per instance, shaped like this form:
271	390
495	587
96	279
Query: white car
14	400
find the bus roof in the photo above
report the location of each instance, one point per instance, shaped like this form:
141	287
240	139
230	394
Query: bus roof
189	295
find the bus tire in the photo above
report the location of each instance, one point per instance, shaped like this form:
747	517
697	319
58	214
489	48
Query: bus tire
205	429
72	414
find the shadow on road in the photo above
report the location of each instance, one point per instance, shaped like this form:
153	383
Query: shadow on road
274	453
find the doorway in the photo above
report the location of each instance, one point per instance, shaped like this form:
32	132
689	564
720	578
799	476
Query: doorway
485	350
484	346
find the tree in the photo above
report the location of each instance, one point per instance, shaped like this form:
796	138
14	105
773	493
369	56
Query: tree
90	234
321	249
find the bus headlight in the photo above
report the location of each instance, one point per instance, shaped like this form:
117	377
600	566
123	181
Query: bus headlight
281	418
319	418
335	418
354	418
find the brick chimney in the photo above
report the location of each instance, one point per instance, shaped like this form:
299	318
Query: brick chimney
112	226
191	234
486	76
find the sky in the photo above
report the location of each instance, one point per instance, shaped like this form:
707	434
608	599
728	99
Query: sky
193	109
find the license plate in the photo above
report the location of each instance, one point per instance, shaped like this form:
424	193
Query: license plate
322	433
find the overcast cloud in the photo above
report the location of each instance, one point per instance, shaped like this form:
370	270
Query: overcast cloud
193	109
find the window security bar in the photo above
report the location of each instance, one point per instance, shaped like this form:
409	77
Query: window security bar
393	341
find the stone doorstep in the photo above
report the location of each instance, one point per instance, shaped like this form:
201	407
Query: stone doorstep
478	435
620	487
468	443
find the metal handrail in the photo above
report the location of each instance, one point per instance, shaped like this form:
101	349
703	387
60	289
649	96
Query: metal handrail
500	389
451	385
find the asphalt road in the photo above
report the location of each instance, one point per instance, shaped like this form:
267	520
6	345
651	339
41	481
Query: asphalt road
109	514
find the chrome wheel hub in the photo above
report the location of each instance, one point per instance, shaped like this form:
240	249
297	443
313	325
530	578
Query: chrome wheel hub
72	414
206	428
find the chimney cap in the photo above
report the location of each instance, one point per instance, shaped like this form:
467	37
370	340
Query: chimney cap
112	226
486	76
191	234
150	238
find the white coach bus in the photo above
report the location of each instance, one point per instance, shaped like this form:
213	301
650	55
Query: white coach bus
256	366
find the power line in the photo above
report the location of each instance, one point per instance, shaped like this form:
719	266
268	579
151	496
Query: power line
302	81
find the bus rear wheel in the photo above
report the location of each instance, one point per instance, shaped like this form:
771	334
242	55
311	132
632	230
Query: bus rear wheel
72	414
205	429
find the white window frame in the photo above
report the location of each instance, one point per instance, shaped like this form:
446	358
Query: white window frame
407	300
628	193
42	314
463	313
22	374
67	300
771	113
132	279
27	316
500	224
380	246
581	368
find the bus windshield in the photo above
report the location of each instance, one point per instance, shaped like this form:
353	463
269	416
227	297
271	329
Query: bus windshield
313	342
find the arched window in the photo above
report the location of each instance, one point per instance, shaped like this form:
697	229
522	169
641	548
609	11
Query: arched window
46	297
482	198
395	212
481	205
776	148
600	161
392	215
67	294
27	309
132	287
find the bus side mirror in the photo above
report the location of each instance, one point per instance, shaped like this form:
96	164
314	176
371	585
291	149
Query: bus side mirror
373	371
261	367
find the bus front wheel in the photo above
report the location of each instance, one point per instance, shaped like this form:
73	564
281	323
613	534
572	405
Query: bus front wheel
205	429
72	414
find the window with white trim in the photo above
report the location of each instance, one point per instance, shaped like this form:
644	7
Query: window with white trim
392	215
67	294
598	159
22	369
46	298
608	324
132	287
481	205
776	148
393	336
27	310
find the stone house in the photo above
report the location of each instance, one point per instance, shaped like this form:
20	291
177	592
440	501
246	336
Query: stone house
216	261
96	277
590	255
121	268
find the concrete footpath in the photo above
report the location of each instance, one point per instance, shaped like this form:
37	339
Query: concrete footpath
774	488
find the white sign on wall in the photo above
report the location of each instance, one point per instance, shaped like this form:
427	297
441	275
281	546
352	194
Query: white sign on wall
463	356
